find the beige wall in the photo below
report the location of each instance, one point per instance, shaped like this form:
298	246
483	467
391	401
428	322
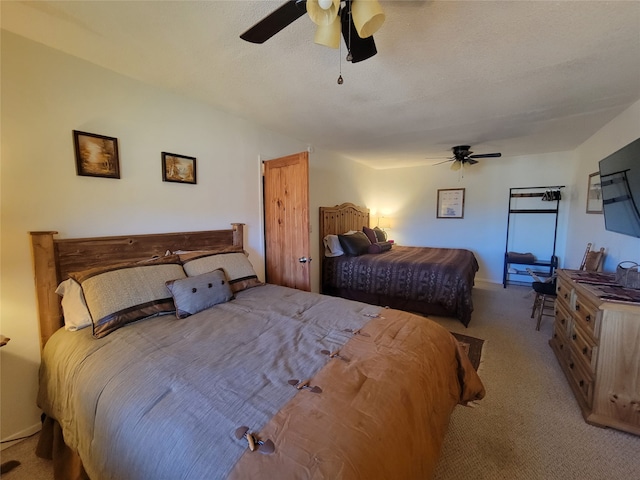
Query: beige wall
47	94
583	227
409	197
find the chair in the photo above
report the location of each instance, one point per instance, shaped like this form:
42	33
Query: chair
546	289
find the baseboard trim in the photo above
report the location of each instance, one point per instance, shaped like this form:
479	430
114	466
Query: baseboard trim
19	436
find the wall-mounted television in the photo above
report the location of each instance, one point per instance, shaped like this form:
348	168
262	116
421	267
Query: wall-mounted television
620	184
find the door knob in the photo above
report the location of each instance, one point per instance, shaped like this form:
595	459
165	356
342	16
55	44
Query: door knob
303	259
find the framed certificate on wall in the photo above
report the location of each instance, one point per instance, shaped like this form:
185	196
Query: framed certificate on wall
450	203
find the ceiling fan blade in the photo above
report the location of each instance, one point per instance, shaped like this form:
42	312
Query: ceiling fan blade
486	155
360	48
471	161
275	21
444	161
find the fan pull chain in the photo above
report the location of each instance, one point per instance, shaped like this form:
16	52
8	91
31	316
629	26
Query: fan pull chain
340	80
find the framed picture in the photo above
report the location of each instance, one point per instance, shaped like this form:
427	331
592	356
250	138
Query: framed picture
96	155
178	168
594	194
450	203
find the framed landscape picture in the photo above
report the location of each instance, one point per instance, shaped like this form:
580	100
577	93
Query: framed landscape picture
178	168
450	203
96	155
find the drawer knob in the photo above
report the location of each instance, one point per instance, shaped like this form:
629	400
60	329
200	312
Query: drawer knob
585	350
562	321
581	382
588	318
574	336
571	365
577	307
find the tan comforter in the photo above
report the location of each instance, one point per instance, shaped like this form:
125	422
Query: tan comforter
394	399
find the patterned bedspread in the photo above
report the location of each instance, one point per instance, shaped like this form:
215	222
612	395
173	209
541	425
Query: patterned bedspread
441	277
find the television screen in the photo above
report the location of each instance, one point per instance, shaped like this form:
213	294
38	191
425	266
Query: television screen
620	184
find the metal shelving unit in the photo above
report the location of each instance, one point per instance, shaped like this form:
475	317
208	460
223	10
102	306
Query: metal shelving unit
525	235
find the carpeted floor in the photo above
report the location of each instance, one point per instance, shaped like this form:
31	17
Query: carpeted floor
528	427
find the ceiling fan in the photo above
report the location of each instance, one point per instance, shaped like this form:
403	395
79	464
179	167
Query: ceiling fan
357	20
462	155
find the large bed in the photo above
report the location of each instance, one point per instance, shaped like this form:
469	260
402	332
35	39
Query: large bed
267	382
437	281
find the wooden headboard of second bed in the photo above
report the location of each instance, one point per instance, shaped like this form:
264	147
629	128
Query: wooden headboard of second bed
341	219
337	220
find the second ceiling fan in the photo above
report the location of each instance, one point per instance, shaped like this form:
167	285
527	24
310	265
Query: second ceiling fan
462	155
357	20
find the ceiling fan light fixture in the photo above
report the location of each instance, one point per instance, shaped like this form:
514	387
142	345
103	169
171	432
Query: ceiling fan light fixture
456	165
328	35
368	16
321	15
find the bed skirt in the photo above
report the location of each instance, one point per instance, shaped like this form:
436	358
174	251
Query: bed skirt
405	304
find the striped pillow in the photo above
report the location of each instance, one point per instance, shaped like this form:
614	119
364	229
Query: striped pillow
236	265
120	294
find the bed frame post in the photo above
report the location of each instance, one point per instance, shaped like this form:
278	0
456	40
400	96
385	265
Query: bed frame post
238	234
46	282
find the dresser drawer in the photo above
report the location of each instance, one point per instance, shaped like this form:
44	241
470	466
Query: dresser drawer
580	377
563	292
584	347
560	339
563	317
586	314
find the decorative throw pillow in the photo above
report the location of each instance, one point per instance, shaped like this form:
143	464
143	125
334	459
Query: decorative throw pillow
74	307
120	294
194	294
380	247
355	244
381	235
371	234
332	247
237	266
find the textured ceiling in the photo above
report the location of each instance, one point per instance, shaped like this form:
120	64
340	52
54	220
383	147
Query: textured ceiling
519	77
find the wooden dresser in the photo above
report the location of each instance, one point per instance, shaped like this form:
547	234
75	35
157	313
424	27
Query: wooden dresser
596	339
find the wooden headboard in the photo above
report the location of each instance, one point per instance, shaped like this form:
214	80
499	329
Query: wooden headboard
54	259
337	220
341	219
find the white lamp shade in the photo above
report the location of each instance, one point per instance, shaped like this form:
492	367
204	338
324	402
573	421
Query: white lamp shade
368	16
321	16
456	165
328	35
384	222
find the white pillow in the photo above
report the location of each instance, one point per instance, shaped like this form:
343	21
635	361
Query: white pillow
332	247
74	307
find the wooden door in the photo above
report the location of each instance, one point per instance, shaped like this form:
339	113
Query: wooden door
286	221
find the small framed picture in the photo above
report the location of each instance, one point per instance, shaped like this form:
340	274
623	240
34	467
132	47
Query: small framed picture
594	194
96	155
450	203
178	168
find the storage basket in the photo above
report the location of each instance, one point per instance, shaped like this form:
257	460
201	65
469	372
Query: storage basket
628	275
